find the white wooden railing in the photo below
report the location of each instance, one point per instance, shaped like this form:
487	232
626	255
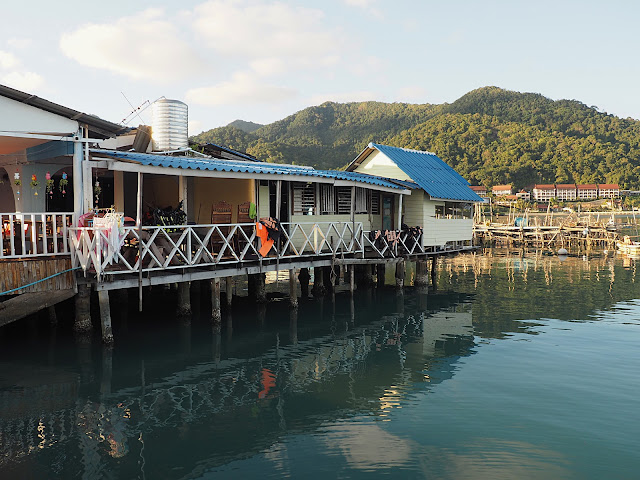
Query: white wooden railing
27	235
398	243
117	251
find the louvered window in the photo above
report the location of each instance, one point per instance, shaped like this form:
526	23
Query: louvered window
361	200
304	199
344	200
374	205
327	200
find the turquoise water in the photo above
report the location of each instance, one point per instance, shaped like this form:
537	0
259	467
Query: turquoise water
517	366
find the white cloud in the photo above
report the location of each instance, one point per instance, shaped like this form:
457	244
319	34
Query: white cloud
25	81
344	97
8	60
368	5
243	88
273	36
142	46
13	74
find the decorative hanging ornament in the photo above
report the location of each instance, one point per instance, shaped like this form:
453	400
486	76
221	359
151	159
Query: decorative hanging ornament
16	179
49	184
34	183
63	183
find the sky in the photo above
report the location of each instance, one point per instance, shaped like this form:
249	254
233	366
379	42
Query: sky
262	60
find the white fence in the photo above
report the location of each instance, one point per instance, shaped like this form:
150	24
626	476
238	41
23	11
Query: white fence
125	250
27	235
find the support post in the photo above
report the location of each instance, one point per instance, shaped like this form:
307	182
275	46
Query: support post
293	326
53	316
229	290
326	277
352	279
380	274
293	291
216	315
422	274
184	299
105	317
139	224
434	283
304	278
83	309
400	271
78	156
318	289
257	288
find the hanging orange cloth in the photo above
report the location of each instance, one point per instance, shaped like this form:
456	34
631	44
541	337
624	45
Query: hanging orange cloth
263	235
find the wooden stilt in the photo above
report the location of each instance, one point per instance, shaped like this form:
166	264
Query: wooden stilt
400	273
352	279
434	283
229	291
304	278
380	274
184	299
83	309
105	317
422	275
293	291
216	315
318	289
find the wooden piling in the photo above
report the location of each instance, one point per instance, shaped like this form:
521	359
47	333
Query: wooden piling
380	272
216	315
53	316
229	291
434	283
422	274
184	299
352	279
83	309
400	273
105	317
293	291
304	278
318	289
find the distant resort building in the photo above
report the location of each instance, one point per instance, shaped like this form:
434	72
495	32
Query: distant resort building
588	191
570	192
479	189
566	192
609	190
544	193
523	195
499	190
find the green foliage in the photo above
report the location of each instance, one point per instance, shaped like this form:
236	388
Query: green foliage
490	136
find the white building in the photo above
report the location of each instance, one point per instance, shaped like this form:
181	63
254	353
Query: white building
587	191
544	193
443	202
608	190
566	192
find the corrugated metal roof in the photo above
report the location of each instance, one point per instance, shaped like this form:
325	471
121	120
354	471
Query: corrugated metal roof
434	176
222	165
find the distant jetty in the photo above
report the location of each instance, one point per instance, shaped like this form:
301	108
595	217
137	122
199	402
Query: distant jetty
550	230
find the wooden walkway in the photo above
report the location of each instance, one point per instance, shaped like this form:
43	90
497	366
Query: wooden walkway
26	304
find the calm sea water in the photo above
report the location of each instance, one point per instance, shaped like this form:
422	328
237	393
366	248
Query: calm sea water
518	366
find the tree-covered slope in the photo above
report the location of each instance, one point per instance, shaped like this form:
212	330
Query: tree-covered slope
490	135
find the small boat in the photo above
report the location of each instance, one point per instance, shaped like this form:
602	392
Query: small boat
629	246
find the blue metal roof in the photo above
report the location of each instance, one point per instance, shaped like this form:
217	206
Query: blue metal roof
236	166
434	176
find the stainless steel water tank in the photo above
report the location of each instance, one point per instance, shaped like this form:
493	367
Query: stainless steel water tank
170	120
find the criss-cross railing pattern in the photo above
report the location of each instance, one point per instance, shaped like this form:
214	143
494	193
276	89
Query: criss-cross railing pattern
126	249
396	244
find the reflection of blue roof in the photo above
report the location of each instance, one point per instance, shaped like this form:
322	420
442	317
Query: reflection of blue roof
434	176
236	166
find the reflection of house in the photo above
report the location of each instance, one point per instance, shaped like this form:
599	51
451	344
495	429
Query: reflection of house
442	203
499	190
566	191
587	191
544	193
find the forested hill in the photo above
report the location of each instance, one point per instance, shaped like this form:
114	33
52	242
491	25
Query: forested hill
490	135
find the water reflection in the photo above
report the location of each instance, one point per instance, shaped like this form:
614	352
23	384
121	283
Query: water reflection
176	399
